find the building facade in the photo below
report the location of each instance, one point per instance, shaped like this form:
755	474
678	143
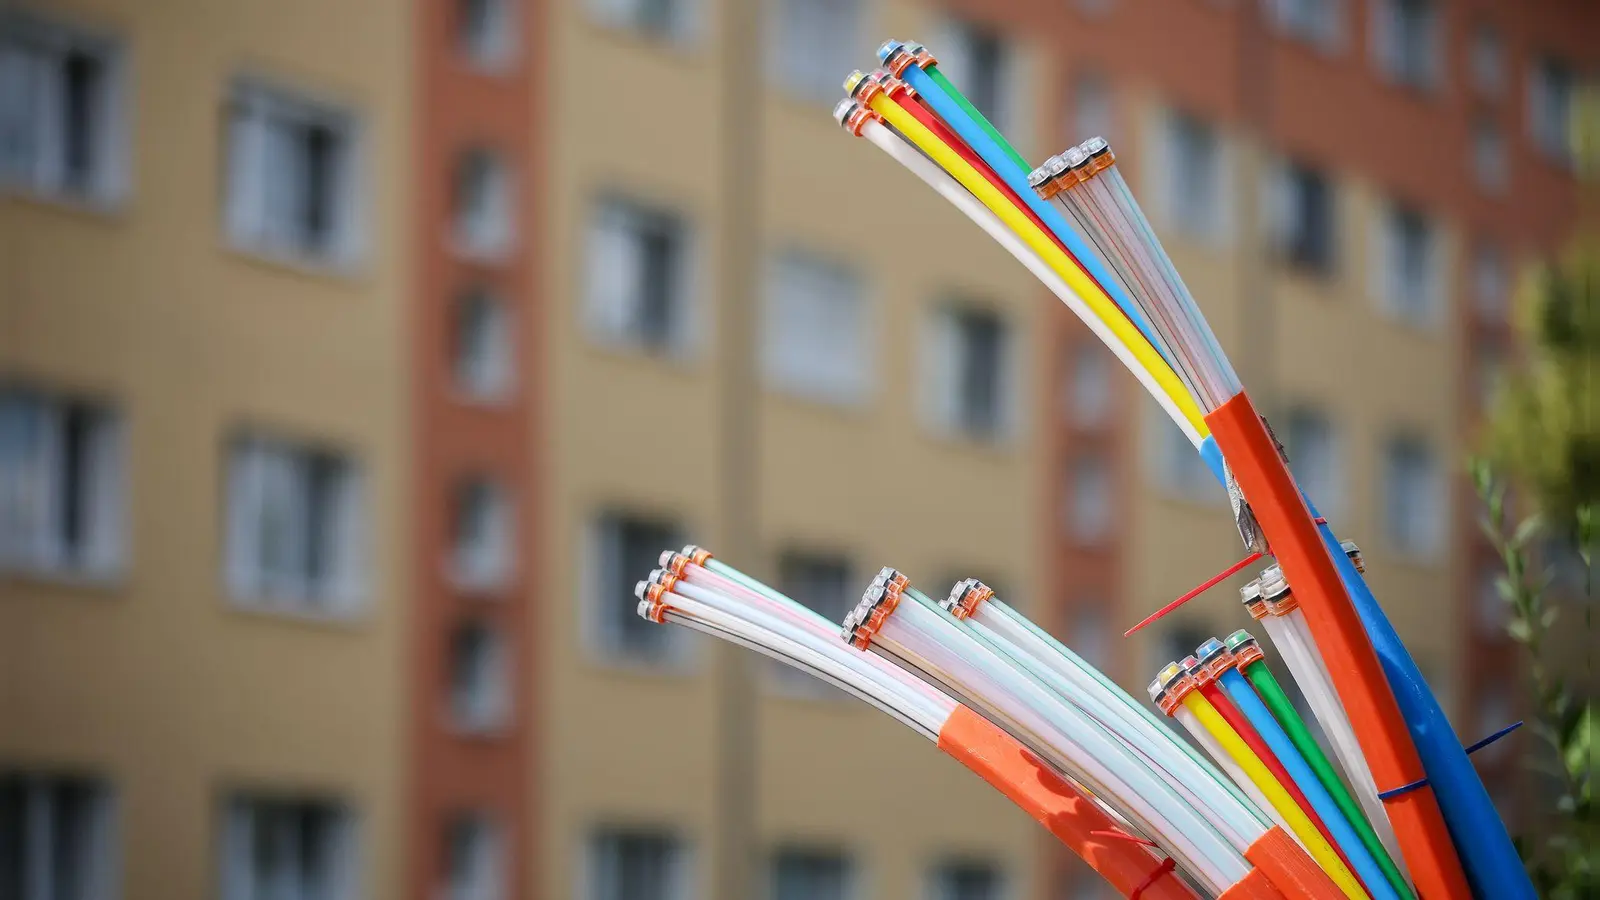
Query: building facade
355	363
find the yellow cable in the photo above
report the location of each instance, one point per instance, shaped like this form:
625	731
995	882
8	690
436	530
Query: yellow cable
1040	243
1289	810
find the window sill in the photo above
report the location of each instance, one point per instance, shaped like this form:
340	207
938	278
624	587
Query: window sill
107	582
105	209
497	401
259	608
681	48
296	264
678	358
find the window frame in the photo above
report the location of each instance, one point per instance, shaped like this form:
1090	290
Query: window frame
249	224
802	277
41	796
108	182
239	814
614	314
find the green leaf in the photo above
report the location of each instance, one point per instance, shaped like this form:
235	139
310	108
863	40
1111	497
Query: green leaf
1519	630
1527	530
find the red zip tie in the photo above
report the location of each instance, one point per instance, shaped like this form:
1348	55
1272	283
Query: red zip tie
1156	874
1208	585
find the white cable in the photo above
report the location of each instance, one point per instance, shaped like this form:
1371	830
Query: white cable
948	188
1065	673
926	639
1311	675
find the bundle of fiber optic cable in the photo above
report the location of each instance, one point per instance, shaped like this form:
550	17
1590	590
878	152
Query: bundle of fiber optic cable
1075	224
1035	766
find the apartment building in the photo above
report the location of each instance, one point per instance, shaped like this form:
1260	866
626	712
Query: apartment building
204	478
354	365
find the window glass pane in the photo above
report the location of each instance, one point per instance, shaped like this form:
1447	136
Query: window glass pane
810	875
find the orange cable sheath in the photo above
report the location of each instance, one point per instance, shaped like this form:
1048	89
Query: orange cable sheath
1279	508
1056	804
1294	873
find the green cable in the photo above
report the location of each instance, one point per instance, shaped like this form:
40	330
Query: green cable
966	106
1262	679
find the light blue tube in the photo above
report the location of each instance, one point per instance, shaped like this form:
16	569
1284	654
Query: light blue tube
1016	179
1244	696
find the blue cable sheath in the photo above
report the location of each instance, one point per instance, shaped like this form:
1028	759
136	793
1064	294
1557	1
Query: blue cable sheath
1016	179
1238	689
1492	865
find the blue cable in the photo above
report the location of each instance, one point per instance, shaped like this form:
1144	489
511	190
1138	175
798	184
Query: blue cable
1244	696
1487	855
1016	179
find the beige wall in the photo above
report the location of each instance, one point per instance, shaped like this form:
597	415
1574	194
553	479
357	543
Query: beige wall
153	680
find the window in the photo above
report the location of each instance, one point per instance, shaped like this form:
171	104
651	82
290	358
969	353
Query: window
1551	91
1488	374
967	880
484	546
824	584
1175	464
635	864
480	680
1314	458
821	583
1492	610
971	374
296	528
61	485
1092	113
1488	61
1192	177
815	332
1413	497
1088	632
1408	268
1089	500
487	30
625	549
1317	22
1302	218
1405	42
810	875
57	838
639	277
289	848
1490	283
475	862
483	205
484	362
1177	640
669	20
821	40
1489	164
60	115
978	60
292	174
1088	394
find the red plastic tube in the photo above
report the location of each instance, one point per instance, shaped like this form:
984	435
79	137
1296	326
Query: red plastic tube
1074	819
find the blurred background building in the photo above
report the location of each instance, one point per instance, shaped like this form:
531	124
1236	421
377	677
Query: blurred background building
357	357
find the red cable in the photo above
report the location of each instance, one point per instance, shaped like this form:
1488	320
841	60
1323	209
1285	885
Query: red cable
1258	745
1209	583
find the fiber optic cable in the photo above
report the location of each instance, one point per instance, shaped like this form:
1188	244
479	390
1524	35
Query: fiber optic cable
1234	746
1249	661
1076	279
866	123
891	48
1073	817
1205	674
1285	625
1015	175
1487	853
921	637
973	605
1342	835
